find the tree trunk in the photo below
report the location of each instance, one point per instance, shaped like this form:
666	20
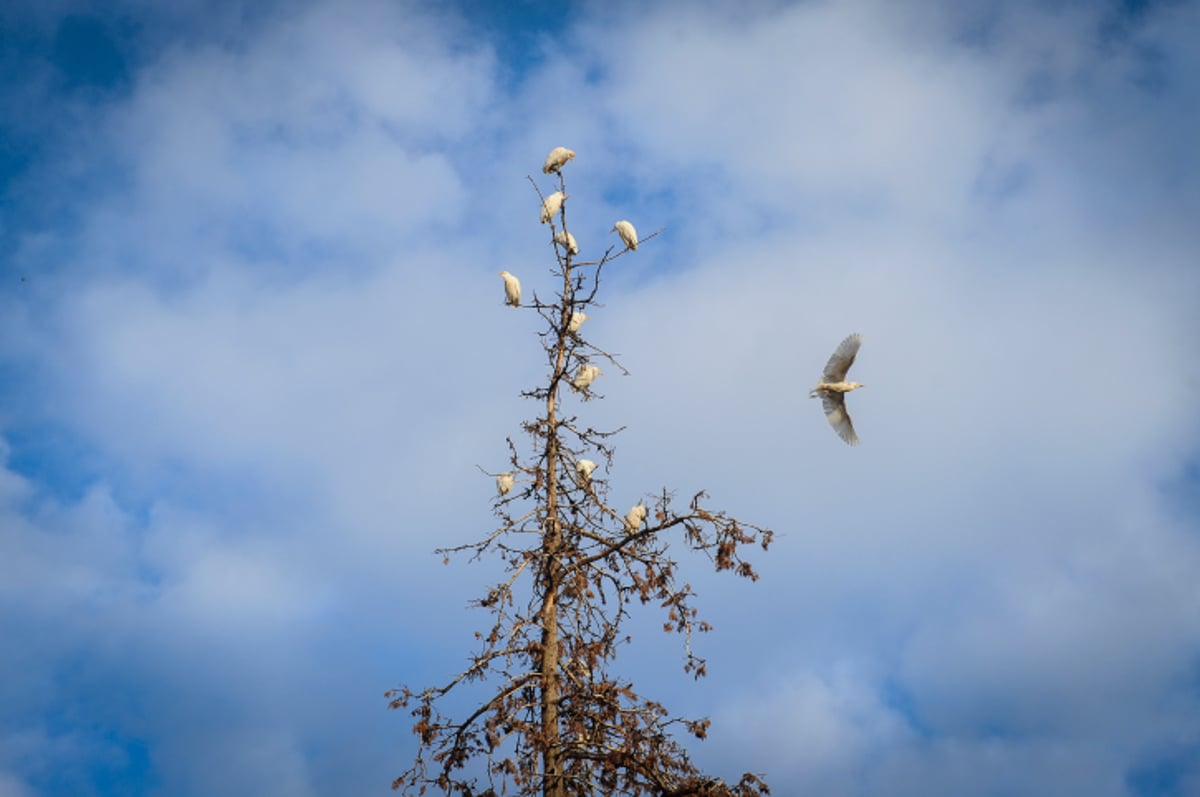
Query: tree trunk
553	784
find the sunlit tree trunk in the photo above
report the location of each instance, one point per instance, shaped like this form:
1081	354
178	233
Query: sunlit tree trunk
553	784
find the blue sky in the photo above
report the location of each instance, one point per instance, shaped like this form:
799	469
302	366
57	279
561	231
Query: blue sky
253	347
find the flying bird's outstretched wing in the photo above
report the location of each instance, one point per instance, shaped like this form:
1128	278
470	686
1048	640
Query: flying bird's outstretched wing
841	360
838	417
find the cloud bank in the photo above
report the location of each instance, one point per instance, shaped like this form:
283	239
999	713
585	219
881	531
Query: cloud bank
260	347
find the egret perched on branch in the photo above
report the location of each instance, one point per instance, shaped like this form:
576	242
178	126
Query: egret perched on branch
627	232
635	517
577	670
585	376
512	289
557	158
577	319
552	204
504	483
584	468
566	241
833	387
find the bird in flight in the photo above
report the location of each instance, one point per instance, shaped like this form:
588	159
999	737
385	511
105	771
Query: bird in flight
833	387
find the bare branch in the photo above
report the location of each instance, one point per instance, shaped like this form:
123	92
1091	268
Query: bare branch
556	722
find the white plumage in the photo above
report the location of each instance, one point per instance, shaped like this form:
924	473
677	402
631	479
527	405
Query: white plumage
635	517
627	232
585	376
512	289
577	670
584	468
577	319
557	158
504	483
833	387
552	204
566	241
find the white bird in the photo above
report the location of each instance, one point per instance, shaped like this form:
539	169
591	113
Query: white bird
577	319
833	387
512	289
576	669
557	158
566	241
635	517
584	468
504	483
627	232
585	376
552	204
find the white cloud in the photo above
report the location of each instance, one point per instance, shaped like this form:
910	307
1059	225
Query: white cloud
11	786
821	729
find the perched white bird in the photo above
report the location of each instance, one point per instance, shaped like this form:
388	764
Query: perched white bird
566	241
585	376
557	158
577	319
584	468
833	387
635	517
504	483
552	204
512	289
577	668
627	232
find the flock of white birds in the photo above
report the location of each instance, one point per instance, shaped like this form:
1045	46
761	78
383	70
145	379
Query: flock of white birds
831	388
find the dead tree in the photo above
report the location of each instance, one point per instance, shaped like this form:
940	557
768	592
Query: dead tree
553	719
